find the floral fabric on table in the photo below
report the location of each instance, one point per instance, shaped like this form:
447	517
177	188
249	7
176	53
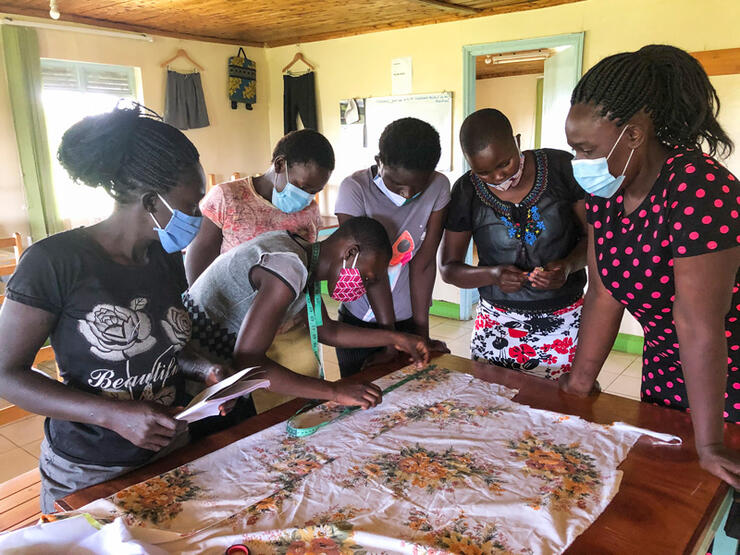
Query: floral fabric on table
446	464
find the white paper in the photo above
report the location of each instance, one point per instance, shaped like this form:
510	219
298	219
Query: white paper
401	76
206	403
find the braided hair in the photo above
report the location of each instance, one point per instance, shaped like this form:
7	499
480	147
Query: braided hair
303	147
127	152
669	84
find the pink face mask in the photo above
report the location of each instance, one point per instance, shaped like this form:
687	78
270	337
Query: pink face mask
349	286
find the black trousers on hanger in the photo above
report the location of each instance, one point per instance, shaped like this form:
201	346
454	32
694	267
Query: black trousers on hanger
299	97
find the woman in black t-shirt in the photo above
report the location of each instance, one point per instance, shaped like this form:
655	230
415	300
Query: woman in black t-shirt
109	298
525	214
665	237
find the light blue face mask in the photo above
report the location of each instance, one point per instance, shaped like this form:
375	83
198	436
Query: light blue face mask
179	231
395	198
291	198
594	176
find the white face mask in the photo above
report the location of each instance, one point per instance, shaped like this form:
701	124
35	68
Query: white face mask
514	180
395	198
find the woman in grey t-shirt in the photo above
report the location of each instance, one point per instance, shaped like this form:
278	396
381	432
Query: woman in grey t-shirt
239	303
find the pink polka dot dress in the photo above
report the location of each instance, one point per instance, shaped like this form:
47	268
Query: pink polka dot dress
691	210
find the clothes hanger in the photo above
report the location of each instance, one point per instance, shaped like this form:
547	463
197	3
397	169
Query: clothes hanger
181	53
299	58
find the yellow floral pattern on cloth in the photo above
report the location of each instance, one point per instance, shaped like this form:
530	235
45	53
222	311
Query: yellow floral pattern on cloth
329	539
446	464
423	468
570	476
461	536
442	412
158	499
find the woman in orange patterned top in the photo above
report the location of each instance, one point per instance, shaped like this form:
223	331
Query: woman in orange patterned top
281	199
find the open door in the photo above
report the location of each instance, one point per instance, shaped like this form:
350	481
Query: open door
562	71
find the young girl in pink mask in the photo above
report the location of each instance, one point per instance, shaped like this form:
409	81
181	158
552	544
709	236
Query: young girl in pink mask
240	302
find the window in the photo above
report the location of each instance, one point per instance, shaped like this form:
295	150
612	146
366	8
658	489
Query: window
70	92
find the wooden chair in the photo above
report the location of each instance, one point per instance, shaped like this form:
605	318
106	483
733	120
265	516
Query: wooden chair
19	501
7	268
45	354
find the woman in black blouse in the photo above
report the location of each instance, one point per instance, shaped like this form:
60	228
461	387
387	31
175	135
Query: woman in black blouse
525	214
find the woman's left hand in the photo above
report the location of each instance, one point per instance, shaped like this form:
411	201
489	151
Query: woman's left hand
217	373
552	276
722	462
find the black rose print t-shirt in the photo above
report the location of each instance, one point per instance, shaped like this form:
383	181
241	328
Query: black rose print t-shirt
118	331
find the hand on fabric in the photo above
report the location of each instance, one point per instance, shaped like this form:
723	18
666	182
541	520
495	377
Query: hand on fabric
146	424
366	395
572	387
552	276
215	374
415	346
508	278
722	462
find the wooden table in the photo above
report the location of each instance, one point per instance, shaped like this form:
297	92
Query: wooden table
666	503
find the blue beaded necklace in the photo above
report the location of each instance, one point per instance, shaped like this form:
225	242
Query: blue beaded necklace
534	225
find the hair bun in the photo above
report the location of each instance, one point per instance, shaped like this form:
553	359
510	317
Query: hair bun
94	149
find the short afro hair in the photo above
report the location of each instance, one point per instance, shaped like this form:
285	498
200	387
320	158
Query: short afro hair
411	144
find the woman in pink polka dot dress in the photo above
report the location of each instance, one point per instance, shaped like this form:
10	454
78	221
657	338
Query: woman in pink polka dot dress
664	237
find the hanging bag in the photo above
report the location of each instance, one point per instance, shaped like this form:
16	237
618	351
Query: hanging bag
242	80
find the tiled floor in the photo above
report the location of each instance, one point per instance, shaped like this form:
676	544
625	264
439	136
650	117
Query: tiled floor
20	441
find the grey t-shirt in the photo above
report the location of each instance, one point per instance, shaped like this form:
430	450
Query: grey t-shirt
220	298
406	226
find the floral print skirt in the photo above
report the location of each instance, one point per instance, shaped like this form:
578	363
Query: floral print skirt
542	344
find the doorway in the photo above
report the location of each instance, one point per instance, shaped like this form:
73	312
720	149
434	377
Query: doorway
531	81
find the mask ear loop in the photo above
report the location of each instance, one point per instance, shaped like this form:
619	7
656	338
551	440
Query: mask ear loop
354	262
155	221
618	139
165	203
168	208
628	161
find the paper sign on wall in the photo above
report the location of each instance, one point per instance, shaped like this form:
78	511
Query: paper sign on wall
401	76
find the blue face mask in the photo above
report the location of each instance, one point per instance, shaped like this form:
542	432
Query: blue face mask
594	176
395	198
291	198
179	231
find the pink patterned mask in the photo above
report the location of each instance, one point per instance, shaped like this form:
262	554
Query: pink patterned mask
349	286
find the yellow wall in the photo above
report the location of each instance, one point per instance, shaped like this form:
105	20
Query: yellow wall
359	66
235	141
516	97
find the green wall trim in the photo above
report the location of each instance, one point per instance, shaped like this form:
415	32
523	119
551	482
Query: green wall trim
538	113
445	309
629	343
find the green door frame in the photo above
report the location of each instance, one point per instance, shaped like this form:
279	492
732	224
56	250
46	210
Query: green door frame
470	53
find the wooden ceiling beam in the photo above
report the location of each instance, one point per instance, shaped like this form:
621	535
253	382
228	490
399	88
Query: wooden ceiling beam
236	32
449	6
71	18
719	62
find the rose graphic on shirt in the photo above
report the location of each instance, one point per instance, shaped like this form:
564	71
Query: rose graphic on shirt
177	326
118	333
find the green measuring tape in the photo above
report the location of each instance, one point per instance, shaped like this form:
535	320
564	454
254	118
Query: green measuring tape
314	311
295	431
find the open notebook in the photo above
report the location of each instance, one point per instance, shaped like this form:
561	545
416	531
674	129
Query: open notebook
206	403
